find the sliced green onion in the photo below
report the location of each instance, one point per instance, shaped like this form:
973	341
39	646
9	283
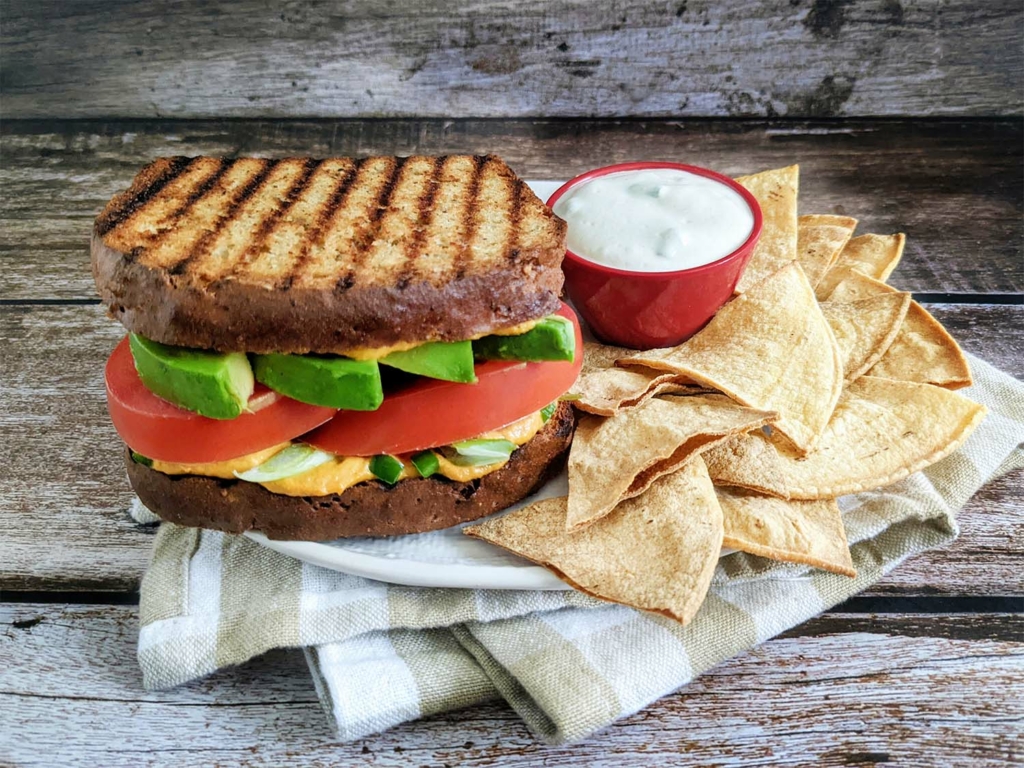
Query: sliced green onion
548	411
387	468
481	452
138	458
293	460
426	463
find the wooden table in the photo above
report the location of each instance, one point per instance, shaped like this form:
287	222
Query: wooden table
923	669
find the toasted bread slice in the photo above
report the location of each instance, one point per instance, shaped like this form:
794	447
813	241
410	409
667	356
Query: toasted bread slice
303	255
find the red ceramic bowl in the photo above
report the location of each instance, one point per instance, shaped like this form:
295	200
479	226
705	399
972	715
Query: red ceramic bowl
644	310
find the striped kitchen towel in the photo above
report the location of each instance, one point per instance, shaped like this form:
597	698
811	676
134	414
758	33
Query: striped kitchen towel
567	663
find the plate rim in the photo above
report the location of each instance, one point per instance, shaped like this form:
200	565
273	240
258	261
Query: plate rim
397	570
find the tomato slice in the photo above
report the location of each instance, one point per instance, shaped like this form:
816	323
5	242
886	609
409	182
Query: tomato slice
430	413
160	430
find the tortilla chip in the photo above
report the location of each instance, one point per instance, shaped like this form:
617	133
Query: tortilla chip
771	349
923	351
776	191
809	532
856	286
820	238
864	329
656	552
872	255
603	388
619	457
882	431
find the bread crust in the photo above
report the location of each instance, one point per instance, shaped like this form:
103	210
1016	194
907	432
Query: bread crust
368	509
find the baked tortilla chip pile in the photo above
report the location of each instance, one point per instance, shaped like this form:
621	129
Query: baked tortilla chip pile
816	380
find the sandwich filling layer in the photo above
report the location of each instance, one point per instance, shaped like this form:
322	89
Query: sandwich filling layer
377	353
340	473
366	509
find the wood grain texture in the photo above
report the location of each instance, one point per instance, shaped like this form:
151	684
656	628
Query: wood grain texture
69	484
65	478
953	187
936	690
493	59
983	561
843	689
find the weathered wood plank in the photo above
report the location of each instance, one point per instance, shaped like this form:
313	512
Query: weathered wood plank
68	485
983	561
64	476
953	187
907	690
493	59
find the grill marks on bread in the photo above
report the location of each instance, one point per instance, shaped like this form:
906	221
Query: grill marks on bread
335	254
259	260
152	215
285	246
392	248
515	217
307	223
442	237
425	212
375	250
327	224
147	184
232	245
490	233
468	221
197	224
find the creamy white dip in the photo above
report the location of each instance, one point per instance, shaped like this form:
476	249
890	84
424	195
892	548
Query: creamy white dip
658	220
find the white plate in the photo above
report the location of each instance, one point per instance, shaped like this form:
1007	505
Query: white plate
445	558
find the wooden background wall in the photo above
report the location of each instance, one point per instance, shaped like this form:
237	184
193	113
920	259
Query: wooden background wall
487	58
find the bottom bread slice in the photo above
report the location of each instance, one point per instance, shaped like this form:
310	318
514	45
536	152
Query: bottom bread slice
368	509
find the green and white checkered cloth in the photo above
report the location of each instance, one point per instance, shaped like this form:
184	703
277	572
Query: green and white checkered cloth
567	663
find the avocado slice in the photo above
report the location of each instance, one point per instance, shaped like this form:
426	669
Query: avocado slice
330	380
553	338
213	384
450	361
